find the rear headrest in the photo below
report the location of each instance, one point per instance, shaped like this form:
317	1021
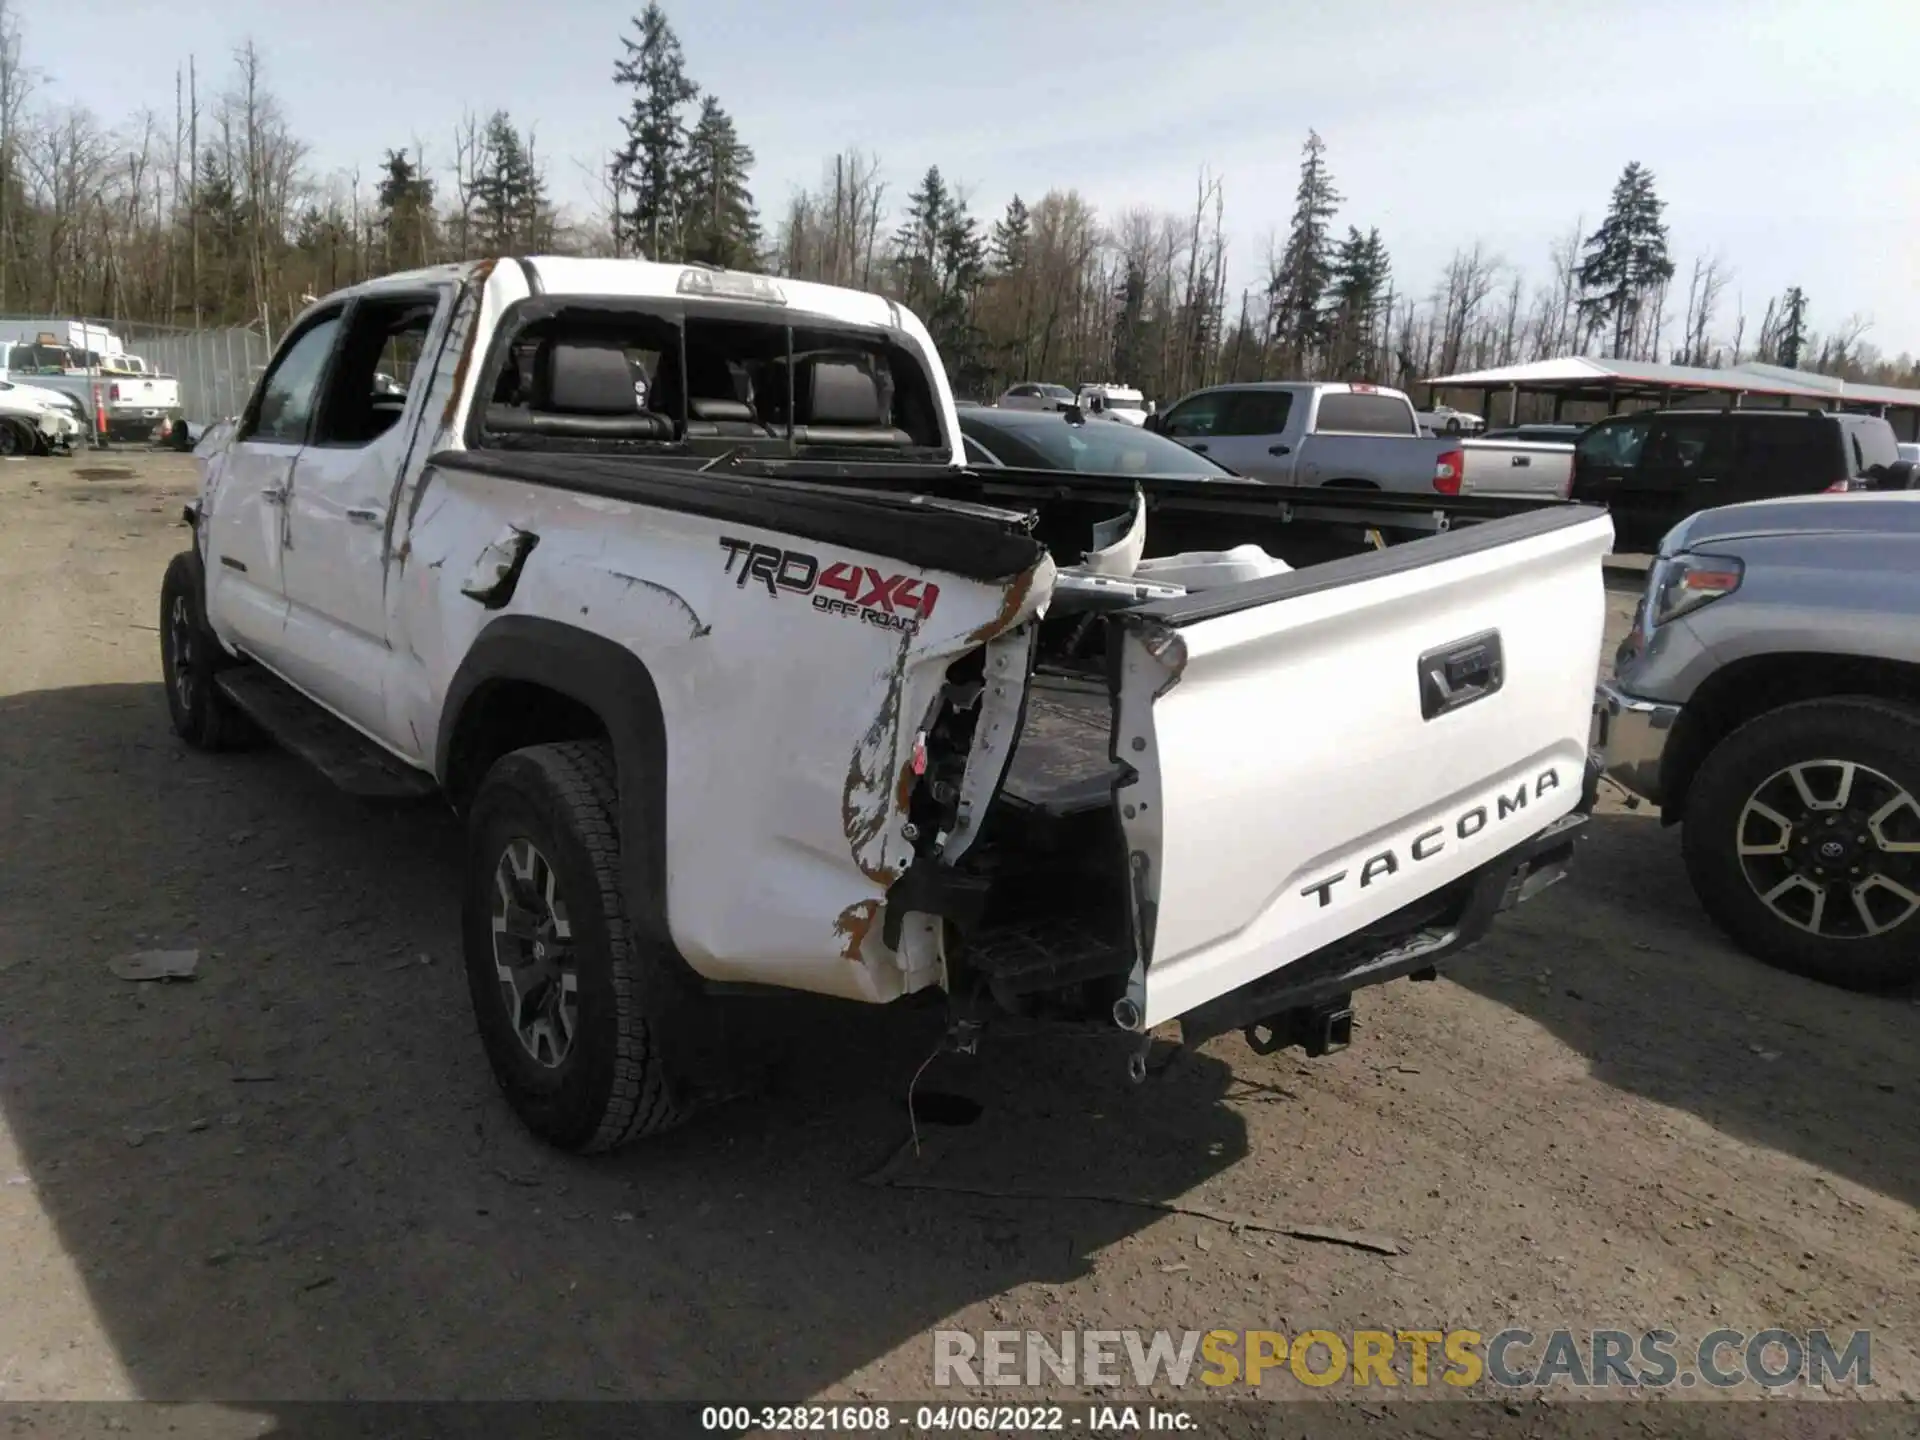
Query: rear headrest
584	378
841	392
705	409
709	377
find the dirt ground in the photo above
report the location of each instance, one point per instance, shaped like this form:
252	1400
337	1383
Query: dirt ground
293	1179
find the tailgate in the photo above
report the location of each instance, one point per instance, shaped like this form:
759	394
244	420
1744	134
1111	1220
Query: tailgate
1313	752
1497	467
143	393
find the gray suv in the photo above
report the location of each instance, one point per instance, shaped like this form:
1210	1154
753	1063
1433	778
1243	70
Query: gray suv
1768	700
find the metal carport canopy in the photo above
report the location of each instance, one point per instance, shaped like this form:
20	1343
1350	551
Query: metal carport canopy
1579	377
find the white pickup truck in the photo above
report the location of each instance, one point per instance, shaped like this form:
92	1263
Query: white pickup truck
120	391
139	400
748	682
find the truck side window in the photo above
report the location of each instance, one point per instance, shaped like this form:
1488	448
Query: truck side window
1200	415
1615	444
1687	444
368	383
1256	412
292	387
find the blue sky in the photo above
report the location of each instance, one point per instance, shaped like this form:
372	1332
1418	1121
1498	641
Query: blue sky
1781	132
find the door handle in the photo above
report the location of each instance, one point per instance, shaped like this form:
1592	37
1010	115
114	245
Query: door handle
1706	479
274	494
362	515
1522	460
1456	675
1279	449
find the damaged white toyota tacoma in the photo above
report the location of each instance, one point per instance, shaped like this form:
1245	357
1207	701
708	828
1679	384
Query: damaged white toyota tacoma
675	584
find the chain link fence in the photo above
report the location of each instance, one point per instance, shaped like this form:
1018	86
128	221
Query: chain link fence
216	368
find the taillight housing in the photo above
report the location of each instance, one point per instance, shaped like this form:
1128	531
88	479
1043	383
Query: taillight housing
1683	583
113	394
1448	471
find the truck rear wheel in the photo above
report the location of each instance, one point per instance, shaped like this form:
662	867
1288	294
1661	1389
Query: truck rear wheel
189	659
1802	839
557	974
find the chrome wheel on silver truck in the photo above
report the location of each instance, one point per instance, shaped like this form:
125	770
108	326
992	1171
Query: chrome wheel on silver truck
1803	840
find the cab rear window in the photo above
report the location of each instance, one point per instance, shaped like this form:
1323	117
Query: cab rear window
1365	415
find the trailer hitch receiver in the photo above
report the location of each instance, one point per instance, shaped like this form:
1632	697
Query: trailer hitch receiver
1321	1029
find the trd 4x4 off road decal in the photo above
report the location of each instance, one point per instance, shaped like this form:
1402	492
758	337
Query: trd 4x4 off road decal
893	602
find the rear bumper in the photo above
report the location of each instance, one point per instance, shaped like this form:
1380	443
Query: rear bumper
1632	735
1412	941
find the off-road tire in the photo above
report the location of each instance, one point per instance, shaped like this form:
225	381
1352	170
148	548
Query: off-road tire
1882	734
611	1086
202	716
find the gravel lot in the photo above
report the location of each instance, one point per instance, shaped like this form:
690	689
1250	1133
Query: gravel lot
292	1178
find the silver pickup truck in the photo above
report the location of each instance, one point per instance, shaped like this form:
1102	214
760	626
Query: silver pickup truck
1768	699
1355	437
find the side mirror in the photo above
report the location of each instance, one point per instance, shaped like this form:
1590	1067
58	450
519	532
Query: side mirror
1154	423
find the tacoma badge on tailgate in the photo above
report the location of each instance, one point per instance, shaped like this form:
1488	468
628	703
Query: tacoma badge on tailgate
1429	843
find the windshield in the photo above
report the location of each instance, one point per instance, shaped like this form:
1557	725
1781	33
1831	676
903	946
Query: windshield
1122	399
1097	447
43	360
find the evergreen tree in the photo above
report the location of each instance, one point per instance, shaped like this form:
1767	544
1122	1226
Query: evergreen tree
1625	261
721	225
917	242
963	264
1356	292
942	258
406	210
1009	251
1012	238
1129	323
1298	287
1793	327
651	170
511	211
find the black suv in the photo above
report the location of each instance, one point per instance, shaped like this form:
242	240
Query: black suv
1653	469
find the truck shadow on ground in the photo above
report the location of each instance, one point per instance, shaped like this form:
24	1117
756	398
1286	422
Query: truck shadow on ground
293	1178
1621	963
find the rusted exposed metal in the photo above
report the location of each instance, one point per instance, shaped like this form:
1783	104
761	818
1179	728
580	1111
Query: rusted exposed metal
1012	600
476	287
853	926
865	797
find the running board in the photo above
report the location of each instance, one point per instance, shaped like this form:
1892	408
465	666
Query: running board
331	746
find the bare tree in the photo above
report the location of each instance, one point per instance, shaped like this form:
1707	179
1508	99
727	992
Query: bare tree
16	86
1843	345
1510	324
469	161
1464	287
1704	286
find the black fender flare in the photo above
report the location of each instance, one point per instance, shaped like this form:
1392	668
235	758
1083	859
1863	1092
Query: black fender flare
616	685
